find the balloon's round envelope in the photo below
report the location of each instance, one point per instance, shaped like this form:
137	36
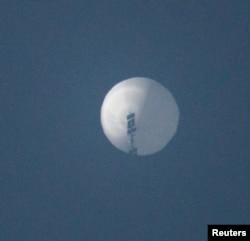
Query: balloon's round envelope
139	116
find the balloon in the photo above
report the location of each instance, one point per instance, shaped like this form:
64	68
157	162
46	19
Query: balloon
139	116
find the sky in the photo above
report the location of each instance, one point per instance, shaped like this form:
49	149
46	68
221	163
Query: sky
61	179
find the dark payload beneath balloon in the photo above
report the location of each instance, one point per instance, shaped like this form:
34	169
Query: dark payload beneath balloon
139	116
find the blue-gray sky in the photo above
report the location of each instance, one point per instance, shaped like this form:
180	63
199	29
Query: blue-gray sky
61	179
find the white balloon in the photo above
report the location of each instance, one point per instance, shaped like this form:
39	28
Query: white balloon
139	116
